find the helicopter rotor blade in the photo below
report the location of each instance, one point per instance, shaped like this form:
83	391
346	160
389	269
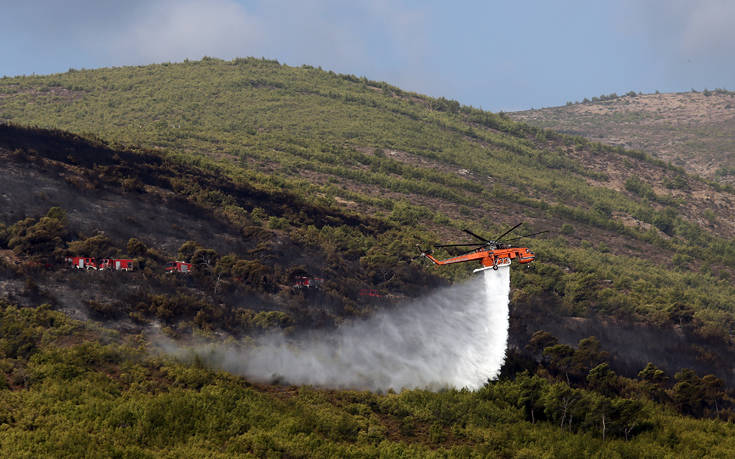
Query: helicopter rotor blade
460	245
527	235
475	235
506	233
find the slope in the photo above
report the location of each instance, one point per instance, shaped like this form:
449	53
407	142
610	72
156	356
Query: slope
651	248
138	204
70	388
690	129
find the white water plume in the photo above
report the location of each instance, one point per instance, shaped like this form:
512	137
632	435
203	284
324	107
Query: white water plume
454	337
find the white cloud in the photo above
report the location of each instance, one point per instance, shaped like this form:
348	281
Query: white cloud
381	39
322	32
171	30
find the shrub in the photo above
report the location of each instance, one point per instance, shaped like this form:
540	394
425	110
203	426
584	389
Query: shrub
136	248
187	249
639	187
97	246
38	237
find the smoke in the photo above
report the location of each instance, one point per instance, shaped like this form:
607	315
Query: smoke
455	337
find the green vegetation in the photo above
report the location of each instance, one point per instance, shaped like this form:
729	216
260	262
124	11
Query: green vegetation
344	147
341	177
191	302
70	389
670	127
37	238
269	124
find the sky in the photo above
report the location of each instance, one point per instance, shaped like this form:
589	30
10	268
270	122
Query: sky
495	55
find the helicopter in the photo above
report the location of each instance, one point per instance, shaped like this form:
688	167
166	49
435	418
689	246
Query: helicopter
491	253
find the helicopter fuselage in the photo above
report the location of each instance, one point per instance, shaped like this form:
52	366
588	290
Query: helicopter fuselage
490	258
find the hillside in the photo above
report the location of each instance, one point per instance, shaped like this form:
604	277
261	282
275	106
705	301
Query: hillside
691	129
138	204
648	249
337	135
259	174
255	246
74	389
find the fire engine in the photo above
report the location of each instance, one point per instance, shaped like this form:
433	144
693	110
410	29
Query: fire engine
117	264
307	282
178	267
82	262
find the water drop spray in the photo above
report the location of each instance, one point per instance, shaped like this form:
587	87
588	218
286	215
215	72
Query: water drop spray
455	337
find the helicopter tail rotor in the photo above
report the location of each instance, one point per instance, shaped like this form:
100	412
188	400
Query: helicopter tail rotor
422	252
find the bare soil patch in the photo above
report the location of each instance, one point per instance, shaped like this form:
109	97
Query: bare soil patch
695	130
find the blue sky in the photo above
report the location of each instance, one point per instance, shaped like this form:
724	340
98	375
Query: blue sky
498	55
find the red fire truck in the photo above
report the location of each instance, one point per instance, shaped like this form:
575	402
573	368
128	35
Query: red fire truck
117	264
307	282
82	262
178	267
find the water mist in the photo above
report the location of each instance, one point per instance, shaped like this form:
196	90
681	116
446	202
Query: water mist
453	337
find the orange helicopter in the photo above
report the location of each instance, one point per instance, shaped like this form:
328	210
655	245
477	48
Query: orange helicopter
492	254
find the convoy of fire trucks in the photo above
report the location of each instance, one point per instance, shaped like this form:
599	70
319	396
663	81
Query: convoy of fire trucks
121	264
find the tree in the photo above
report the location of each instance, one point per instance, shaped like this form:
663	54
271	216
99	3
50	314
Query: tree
136	248
713	390
254	273
225	264
187	249
654	382
539	341
580	288
560	358
57	213
628	417
559	401
39	238
588	355
529	397
602	209
597	414
680	313
688	394
97	246
205	259
653	374
223	269
603	380
665	220
637	186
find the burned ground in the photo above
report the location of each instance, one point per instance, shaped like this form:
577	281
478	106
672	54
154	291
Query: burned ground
121	194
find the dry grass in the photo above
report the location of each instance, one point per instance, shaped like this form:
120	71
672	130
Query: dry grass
690	129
